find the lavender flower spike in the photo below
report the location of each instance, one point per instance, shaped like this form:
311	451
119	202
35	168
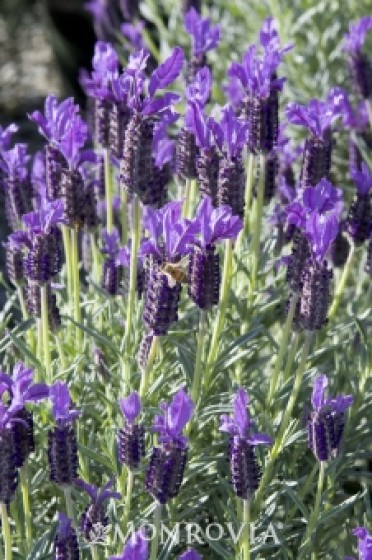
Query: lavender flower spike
94	514
326	422
245	471
358	30
360	63
66	546
62	444
132	436
359	222
364	543
167	464
137	548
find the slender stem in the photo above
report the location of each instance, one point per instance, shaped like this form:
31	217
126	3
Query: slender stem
95	555
199	353
108	192
150	362
186	204
285	420
6	532
315	513
76	284
61	353
69	503
128	499
25	316
369	111
343	280
45	328
248	197
23	475
283	348
67	249
246	533
224	300
258	221
124	217
291	357
156	525
136	226
192	194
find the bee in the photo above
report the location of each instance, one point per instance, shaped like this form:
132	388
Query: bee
176	272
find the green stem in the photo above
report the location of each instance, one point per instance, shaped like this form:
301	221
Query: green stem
193	195
199	353
156	525
343	280
186	204
45	329
285	420
369	111
150	362
291	357
61	353
95	554
258	221
25	316
6	532
128	500
108	192
224	300
23	475
76	284
69	503
283	348
315	513
67	249
248	197
246	533
136	227
124	217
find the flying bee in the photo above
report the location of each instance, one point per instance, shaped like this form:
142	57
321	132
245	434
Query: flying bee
176	272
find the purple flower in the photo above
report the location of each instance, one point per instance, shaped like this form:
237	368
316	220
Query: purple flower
169	232
131	407
205	36
190	554
201	126
110	243
233	131
65	543
99	495
326	422
200	88
175	416
317	116
134	32
21	387
137	548
57	118
240	424
362	179
216	224
321	198
61	403
105	65
354	40
14	162
97	8
6	135
364	543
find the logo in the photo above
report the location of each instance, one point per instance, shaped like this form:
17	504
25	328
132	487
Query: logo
98	535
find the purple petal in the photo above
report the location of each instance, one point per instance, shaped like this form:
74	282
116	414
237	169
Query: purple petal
241	415
190	554
167	72
179	412
320	384
228	425
321	232
156	106
36	393
136	548
88	488
131	407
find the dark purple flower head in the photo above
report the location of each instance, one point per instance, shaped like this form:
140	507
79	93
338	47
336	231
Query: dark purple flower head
190	554
175	416
364	543
317	116
362	179
240	424
134	33
61	402
64	526
169	232
319	401
136	548
131	407
354	40
14	162
6	136
134	79
200	88
99	495
21	387
205	37
110	243
216	224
